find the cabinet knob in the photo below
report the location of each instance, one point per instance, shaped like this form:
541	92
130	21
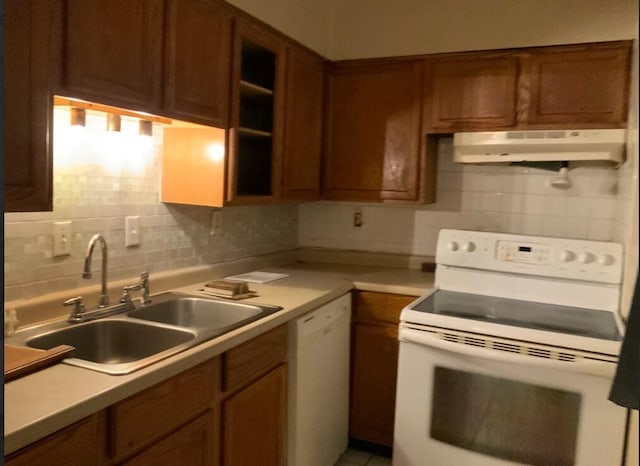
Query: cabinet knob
567	256
452	246
585	257
469	246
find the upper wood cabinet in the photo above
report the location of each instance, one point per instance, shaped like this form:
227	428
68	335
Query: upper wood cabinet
257	104
113	52
197	59
303	125
578	86
472	92
569	87
31	68
373	144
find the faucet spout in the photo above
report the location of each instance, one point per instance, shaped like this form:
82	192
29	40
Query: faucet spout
86	273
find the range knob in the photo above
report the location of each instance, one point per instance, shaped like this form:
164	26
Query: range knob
567	256
605	259
585	257
469	246
452	246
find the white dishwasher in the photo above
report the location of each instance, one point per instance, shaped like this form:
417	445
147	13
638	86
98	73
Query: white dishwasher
318	378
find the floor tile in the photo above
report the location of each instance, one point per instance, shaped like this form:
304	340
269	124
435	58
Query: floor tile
379	461
355	456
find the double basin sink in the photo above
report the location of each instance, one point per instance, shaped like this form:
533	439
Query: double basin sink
121	344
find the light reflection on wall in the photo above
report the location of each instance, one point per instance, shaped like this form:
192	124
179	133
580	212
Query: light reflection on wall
123	152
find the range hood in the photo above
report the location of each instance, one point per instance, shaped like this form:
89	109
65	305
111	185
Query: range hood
540	146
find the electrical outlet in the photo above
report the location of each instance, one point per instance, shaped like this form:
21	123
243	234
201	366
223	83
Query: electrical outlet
357	217
62	238
132	231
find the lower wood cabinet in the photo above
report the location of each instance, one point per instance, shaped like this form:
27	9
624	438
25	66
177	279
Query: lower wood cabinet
190	419
192	445
254	423
78	444
374	366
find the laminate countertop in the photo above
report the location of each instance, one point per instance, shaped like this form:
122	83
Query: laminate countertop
48	400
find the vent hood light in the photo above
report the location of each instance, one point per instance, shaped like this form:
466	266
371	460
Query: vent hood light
540	146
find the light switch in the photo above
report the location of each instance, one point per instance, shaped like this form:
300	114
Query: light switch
62	238
132	231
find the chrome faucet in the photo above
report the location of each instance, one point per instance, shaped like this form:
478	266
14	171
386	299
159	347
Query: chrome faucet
86	273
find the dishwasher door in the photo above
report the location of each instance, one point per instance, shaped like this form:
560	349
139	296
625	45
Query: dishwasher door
318	414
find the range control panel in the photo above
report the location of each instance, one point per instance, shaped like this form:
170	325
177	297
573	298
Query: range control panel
597	261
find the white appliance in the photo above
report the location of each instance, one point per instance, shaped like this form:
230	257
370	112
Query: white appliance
510	359
540	146
318	378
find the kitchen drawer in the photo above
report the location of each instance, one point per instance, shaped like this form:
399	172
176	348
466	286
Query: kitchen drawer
249	361
76	444
145	417
380	307
192	445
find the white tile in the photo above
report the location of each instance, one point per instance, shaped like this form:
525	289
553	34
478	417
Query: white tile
534	204
553	226
532	224
491	202
599	229
576	227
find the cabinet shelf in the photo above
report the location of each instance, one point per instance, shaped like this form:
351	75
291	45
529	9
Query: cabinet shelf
247	87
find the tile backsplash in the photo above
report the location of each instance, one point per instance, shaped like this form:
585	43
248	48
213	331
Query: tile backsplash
95	186
512	199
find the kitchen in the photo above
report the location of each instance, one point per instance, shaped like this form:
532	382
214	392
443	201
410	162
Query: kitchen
174	236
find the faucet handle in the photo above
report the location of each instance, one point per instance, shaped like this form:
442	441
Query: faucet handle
78	305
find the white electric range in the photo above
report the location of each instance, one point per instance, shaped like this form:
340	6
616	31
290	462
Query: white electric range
509	360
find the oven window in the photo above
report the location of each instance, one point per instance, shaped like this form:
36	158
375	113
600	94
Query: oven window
505	419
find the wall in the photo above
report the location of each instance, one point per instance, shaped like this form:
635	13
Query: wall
375	28
307	21
97	184
491	198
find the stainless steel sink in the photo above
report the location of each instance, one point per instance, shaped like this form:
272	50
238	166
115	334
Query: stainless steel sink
201	313
121	344
113	341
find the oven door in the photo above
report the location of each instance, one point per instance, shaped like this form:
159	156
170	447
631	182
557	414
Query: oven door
460	404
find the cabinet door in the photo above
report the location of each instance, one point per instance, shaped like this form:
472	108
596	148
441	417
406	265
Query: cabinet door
373	383
303	126
373	132
579	86
471	93
114	52
257	104
197	60
78	444
31	63
192	445
254	423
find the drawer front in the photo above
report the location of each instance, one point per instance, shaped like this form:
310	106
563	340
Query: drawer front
249	361
380	307
76	444
192	445
146	416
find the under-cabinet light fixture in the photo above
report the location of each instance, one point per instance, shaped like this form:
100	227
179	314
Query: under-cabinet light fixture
78	116
146	128
113	122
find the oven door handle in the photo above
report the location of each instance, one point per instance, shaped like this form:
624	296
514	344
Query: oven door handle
587	366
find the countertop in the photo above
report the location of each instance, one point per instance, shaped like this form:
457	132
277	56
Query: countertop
46	401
